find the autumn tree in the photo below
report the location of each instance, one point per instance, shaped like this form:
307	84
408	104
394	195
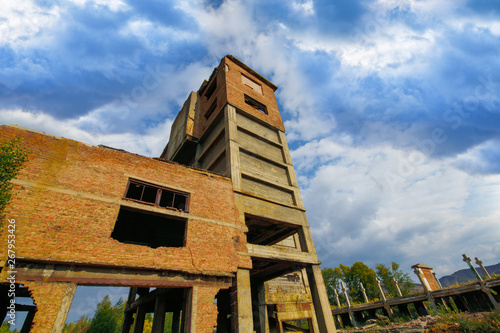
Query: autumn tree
387	275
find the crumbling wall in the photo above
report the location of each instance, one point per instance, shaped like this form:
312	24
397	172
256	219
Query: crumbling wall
67	198
53	300
206	316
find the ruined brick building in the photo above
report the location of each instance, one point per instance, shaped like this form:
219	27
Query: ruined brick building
214	231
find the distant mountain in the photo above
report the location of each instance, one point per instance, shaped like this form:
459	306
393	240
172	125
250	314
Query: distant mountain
465	275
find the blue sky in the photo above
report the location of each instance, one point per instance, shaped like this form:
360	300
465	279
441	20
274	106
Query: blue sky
392	108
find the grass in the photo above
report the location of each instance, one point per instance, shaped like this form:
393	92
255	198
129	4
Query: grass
451	321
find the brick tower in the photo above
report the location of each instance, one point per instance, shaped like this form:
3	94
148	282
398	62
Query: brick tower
232	126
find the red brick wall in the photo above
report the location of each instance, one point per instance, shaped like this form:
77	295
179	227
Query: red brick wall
231	90
236	91
48	298
62	224
430	279
206	314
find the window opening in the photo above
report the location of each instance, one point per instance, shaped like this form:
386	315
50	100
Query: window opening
255	104
156	195
211	89
211	109
146	228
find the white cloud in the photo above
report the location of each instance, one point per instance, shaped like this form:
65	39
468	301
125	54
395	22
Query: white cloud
150	143
113	5
24	24
154	36
425	213
304	7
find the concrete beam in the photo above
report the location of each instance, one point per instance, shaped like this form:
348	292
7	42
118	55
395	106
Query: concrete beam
114	276
269	252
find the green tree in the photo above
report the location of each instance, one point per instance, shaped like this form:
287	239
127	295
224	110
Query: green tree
107	318
12	158
332	278
387	275
358	273
80	326
6	328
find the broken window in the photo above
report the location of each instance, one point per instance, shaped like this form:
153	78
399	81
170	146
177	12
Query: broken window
139	227
251	84
255	104
157	196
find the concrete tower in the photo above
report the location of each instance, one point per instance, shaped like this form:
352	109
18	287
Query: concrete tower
232	126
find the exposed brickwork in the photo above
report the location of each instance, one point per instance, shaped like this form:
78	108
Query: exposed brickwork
48	298
231	90
206	316
430	278
235	95
61	224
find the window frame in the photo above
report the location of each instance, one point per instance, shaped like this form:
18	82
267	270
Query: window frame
159	191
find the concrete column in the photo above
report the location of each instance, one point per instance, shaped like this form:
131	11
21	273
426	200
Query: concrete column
189	310
64	308
320	300
243	317
349	309
313	323
139	319
263	315
159	316
386	305
128	320
480	263
363	291
176	321
128	317
232	147
337	297
472	268
400	294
